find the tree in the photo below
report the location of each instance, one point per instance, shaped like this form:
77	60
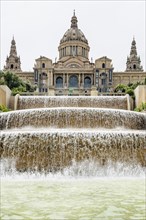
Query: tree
121	88
11	80
129	89
15	83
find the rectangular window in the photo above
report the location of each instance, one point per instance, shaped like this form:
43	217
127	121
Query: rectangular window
74	51
110	75
103	81
36	75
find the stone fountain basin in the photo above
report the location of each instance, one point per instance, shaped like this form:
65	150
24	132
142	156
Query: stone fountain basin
72	117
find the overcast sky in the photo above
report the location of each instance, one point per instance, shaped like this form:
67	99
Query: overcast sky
38	26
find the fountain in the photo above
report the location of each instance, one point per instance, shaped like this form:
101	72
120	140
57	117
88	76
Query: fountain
114	102
51	137
58	152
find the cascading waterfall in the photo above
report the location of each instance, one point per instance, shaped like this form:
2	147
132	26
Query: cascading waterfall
114	102
73	118
55	150
51	138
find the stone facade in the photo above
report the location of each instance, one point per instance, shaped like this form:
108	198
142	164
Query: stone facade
73	73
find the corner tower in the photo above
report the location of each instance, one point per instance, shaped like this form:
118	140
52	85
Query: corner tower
13	61
133	61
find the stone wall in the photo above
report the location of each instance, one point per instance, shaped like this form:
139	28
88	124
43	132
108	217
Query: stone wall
140	95
126	78
5	95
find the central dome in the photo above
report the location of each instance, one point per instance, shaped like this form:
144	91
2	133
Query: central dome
74	33
74	43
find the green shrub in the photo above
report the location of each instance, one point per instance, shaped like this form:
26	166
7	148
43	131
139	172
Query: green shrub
141	108
130	92
15	83
121	88
129	89
4	108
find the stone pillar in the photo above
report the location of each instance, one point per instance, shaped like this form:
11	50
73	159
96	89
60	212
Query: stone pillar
64	80
83	80
51	79
93	91
16	101
5	94
140	95
67	78
93	79
51	92
79	80
129	102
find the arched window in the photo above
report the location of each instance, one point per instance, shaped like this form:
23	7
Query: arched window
103	65
43	65
103	75
87	82
73	81
59	82
43	75
12	66
134	66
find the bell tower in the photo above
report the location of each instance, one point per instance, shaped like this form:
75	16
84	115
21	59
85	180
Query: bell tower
13	61
133	61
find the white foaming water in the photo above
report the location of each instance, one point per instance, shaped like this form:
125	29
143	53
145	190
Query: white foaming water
77	170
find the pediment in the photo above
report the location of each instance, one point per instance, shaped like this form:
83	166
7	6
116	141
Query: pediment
43	58
103	58
73	63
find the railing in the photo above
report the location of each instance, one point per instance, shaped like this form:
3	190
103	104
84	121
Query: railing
33	93
111	94
68	93
73	91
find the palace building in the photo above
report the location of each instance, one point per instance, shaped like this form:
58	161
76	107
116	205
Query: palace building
73	73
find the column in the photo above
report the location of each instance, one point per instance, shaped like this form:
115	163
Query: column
67	80
64	80
79	80
83	79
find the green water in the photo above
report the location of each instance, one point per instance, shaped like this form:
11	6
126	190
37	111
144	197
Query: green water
70	198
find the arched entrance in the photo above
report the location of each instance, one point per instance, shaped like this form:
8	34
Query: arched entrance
73	81
59	82
87	82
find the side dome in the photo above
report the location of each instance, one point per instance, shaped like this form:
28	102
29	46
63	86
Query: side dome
74	33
